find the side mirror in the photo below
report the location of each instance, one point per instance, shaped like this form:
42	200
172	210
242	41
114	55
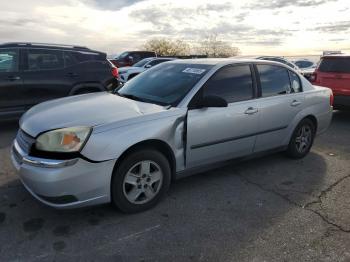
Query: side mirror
212	101
148	66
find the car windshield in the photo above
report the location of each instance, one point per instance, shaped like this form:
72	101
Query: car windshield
122	55
143	62
165	84
335	65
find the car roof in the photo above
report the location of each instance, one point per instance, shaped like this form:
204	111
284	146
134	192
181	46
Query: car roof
42	45
258	57
221	61
336	55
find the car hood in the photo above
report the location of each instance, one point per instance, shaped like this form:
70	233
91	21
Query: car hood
83	110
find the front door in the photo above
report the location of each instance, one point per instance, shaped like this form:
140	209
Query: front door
10	82
218	134
44	77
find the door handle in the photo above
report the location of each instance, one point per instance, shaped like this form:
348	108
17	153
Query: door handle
72	75
13	78
251	111
295	103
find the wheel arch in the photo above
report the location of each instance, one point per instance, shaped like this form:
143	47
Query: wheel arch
296	122
156	144
313	119
87	86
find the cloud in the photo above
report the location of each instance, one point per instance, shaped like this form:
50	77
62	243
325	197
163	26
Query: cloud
338	27
112	4
275	4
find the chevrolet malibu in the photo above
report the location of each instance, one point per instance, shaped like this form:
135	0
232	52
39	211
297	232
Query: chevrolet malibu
175	119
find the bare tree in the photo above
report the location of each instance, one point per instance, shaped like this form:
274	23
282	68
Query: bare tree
213	47
165	47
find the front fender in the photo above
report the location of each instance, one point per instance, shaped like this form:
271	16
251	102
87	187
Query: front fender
111	144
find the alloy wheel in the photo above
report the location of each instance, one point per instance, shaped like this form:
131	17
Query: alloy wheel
142	182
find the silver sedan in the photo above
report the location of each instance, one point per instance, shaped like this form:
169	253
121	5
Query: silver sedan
176	119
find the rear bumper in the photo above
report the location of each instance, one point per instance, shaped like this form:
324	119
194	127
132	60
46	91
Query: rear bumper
341	101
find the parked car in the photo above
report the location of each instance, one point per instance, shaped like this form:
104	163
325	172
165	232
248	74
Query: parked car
171	121
333	71
280	60
126	73
307	67
129	58
304	63
273	58
34	73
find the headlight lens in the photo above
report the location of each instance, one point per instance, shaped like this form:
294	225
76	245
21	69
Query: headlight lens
63	140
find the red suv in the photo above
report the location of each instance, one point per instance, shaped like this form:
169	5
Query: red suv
333	71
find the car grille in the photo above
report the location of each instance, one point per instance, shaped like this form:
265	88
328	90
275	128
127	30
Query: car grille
25	141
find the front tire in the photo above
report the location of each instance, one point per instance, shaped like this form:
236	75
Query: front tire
140	181
302	139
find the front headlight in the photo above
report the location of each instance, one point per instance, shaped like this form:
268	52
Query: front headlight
70	139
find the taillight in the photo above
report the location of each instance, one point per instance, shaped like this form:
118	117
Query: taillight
115	72
313	77
331	99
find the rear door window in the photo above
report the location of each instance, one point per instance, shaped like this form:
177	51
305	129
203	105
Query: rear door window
274	80
232	83
8	60
335	65
295	82
41	59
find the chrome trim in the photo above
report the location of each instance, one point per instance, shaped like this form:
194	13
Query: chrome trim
22	158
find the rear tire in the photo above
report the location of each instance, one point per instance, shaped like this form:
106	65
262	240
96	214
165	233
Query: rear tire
140	181
302	139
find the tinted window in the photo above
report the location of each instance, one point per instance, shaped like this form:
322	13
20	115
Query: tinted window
335	64
39	59
147	54
165	84
8	60
70	59
157	61
142	62
87	56
135	57
304	64
274	80
295	81
233	83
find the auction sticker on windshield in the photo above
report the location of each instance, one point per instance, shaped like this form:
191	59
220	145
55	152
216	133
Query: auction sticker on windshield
197	71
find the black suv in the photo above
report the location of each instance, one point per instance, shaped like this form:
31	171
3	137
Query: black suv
129	58
32	73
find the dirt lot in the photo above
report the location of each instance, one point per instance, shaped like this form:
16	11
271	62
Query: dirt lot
269	209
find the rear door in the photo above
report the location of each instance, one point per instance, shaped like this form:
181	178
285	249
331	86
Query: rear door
217	134
334	72
44	77
281	100
10	81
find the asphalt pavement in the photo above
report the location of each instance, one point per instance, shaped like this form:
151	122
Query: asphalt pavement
267	209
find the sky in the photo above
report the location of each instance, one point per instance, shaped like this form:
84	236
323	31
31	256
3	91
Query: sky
257	27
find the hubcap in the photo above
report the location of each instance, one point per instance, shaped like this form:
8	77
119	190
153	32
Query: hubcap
303	139
142	182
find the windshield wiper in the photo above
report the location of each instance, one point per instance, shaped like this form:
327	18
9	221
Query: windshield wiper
133	97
